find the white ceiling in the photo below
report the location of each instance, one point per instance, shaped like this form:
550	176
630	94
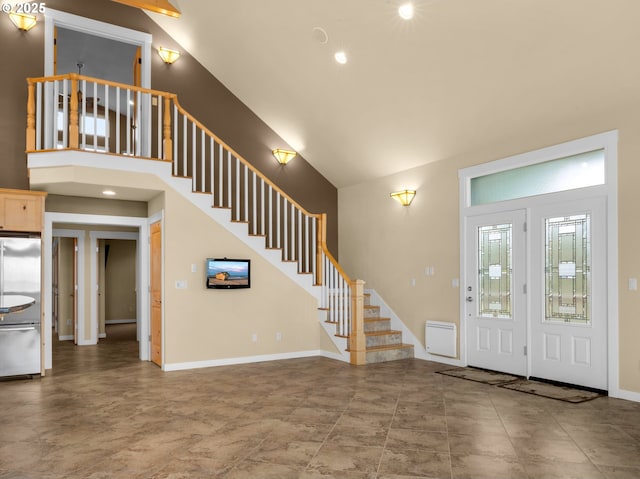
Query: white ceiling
461	74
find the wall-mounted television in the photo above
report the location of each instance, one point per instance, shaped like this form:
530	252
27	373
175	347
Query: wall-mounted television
225	273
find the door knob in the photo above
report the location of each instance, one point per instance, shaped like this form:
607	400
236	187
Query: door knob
469	299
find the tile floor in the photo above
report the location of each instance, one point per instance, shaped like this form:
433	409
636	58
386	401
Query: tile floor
103	414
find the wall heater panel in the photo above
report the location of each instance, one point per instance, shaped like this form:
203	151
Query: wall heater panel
440	338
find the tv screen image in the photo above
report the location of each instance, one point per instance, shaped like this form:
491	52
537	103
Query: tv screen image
225	273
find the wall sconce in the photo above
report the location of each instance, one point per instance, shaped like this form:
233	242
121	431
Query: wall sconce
23	21
283	156
405	197
168	56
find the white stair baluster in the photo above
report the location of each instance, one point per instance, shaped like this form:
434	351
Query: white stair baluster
118	115
203	159
229	189
175	139
185	143
107	130
270	191
254	227
245	169
212	165
95	115
237	196
194	156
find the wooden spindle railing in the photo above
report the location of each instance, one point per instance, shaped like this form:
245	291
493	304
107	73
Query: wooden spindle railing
77	112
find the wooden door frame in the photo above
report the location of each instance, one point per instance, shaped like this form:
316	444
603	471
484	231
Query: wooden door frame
160	224
79	292
75	286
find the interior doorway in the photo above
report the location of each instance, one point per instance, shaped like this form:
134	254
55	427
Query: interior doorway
104	48
116	287
95	227
65	286
94	49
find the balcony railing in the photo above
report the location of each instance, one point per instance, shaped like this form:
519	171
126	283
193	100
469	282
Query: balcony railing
83	113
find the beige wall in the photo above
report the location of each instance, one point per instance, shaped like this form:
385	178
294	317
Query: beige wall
96	206
203	324
387	245
120	280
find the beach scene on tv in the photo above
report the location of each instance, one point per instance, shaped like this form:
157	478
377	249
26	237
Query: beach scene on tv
227	273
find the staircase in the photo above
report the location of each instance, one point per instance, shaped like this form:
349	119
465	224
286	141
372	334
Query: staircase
149	124
382	342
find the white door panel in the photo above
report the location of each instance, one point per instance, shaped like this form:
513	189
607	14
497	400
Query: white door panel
496	302
569	293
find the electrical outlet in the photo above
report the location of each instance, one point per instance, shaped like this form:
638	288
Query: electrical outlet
254	337
278	336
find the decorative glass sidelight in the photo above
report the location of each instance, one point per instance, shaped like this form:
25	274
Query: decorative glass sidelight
495	271
568	269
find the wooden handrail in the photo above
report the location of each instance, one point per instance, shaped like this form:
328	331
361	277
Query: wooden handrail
124	86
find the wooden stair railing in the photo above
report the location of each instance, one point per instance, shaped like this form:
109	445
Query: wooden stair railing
76	112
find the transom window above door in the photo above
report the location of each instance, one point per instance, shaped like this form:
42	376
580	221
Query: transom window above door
562	174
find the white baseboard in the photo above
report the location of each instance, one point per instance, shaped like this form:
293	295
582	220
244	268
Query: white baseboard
65	338
623	394
247	359
443	359
120	321
102	335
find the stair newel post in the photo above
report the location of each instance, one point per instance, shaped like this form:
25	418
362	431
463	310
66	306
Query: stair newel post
74	132
31	117
321	241
357	339
167	143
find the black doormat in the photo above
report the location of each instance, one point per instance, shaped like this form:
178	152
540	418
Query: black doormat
484	376
562	393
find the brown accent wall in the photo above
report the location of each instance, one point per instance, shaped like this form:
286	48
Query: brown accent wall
198	91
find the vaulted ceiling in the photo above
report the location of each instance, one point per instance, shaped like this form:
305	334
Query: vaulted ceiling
460	75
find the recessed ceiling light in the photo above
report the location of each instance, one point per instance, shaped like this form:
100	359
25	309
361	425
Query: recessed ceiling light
109	193
406	11
320	35
341	57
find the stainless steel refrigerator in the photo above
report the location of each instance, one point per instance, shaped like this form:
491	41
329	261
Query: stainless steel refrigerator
20	311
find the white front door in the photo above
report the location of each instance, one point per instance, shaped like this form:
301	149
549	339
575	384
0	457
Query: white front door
569	293
496	306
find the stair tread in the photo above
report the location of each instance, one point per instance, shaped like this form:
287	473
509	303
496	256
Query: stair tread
376	319
389	346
